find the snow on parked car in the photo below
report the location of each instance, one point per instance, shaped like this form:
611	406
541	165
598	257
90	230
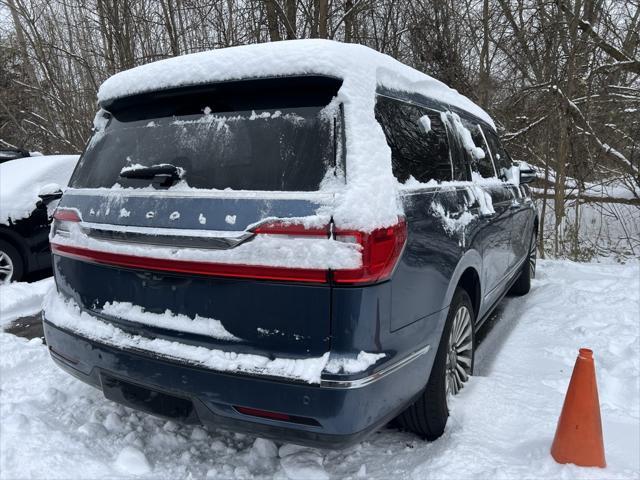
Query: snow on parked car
28	189
293	196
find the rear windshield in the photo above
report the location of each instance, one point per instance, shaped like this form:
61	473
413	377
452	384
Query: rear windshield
278	142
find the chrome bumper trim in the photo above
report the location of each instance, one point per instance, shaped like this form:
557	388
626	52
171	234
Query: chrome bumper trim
374	377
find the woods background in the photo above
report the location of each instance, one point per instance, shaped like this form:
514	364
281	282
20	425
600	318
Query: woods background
560	77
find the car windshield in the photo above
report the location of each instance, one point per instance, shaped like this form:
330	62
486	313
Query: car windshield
274	148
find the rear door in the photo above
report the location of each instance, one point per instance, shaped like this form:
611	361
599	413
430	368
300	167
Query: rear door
172	191
521	205
496	233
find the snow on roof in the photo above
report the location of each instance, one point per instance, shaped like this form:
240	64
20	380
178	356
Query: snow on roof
362	70
348	61
22	179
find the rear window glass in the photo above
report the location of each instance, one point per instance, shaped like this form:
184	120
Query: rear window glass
290	146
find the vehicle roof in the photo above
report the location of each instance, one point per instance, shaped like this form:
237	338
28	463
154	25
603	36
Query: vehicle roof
356	64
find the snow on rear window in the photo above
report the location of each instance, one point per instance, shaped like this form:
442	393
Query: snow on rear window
282	149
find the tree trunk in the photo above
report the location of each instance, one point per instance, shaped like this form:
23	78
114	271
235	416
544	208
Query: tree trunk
323	13
272	20
22	44
483	94
290	7
170	25
348	21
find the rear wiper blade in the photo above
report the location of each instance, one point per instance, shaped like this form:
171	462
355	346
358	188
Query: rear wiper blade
165	174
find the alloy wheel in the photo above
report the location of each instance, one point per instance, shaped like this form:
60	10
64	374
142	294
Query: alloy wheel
533	251
459	351
6	268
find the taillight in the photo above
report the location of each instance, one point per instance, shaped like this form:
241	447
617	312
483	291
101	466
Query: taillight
380	249
63	219
280	227
66	215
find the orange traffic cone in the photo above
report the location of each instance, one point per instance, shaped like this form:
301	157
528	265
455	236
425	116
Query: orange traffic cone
578	437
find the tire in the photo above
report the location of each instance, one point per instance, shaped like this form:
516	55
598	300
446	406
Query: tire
11	263
427	417
523	284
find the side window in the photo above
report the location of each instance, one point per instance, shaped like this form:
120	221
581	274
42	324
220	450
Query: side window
418	141
484	165
500	156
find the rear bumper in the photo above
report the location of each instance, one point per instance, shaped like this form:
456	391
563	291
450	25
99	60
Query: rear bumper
341	414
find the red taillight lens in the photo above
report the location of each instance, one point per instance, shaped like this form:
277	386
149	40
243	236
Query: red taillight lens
257	272
64	220
66	215
292	229
381	250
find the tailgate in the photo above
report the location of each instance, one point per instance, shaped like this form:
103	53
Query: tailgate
237	314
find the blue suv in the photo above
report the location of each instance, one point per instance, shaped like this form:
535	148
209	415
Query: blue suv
297	240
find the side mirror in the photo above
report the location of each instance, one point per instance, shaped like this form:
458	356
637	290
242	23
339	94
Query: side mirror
527	173
50	192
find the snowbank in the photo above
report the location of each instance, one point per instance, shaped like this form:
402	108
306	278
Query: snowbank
362	69
501	425
21	299
22	179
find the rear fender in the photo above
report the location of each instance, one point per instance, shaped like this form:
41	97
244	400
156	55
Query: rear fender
471	259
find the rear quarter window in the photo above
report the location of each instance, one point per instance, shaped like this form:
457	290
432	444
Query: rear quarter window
484	165
500	157
418	141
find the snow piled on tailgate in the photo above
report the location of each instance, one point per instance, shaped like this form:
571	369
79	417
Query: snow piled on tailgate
65	313
363	70
179	322
21	180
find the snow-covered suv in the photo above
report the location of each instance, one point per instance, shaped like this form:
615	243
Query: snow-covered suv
296	239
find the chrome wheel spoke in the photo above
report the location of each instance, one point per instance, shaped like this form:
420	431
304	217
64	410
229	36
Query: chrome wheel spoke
464	333
462	374
464	347
532	257
459	351
6	268
455	330
457	380
465	360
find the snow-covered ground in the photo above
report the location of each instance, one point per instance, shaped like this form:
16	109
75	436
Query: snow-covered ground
22	299
501	425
